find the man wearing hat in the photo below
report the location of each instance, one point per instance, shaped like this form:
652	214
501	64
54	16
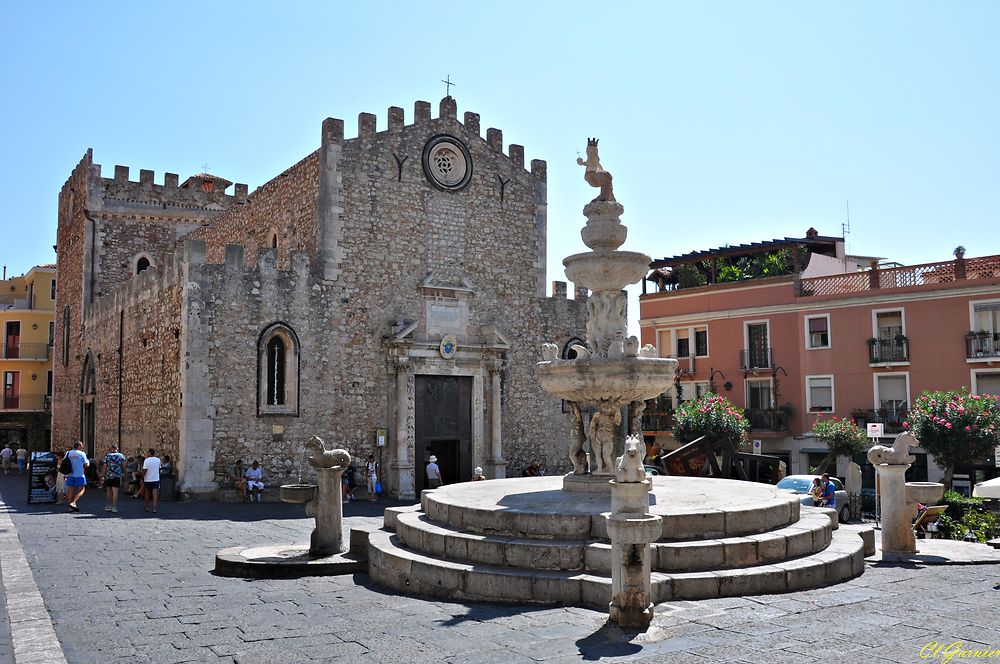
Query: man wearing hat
433	473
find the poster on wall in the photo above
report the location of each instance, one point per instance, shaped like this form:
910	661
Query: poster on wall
42	481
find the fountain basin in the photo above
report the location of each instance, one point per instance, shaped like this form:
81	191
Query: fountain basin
626	379
606	271
297	493
928	493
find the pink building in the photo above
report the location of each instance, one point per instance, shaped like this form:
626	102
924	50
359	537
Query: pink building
793	330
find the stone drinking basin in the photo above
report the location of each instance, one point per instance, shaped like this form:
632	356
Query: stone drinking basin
627	379
928	493
297	493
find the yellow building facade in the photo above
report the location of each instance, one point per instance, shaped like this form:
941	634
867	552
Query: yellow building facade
27	324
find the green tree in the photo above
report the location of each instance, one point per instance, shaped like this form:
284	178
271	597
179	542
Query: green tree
955	427
712	416
842	438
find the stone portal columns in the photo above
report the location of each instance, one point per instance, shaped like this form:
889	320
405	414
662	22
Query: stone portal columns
402	466
495	463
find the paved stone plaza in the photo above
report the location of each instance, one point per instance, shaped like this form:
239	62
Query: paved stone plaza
135	588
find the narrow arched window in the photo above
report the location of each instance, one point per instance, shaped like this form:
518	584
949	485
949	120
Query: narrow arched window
278	371
274	240
142	264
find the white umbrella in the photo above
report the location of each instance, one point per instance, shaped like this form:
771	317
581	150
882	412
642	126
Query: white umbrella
987	489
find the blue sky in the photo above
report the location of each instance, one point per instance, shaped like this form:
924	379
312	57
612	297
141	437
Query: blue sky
721	122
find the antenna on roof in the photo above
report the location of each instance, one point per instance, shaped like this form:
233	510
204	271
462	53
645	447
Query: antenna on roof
845	229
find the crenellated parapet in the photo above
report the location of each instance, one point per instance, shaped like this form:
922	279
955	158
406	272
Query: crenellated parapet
368	131
202	191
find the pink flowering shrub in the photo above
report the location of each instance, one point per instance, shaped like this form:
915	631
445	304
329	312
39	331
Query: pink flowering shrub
712	416
955	427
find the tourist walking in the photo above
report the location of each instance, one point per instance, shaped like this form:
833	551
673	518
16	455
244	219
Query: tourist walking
255	483
371	470
6	454
76	481
433	473
22	459
151	480
114	470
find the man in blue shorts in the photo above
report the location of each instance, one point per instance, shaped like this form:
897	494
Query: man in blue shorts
76	482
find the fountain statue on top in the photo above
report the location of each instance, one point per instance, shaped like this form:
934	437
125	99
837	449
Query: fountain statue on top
612	371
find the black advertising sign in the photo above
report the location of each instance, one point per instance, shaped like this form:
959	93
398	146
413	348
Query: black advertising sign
42	481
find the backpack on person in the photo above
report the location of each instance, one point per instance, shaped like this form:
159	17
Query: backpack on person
66	466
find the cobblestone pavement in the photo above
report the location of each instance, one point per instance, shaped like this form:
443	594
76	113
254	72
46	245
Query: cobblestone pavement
139	588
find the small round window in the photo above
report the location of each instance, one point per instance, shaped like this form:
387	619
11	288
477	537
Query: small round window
447	163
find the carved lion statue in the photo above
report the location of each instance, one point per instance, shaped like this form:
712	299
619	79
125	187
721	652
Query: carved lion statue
897	455
324	458
630	467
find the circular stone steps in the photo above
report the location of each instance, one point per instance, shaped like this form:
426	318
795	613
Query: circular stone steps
418	532
526	540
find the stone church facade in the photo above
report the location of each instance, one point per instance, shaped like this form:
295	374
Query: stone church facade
387	293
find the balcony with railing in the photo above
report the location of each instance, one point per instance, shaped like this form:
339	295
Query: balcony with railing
26	352
981	346
756	358
884	351
26	403
767	419
891	417
907	276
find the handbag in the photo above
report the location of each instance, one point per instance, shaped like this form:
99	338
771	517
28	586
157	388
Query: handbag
66	466
378	486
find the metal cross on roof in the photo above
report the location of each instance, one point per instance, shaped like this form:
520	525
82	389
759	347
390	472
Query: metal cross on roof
447	85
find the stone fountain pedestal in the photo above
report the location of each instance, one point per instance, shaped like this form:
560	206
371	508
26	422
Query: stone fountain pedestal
326	554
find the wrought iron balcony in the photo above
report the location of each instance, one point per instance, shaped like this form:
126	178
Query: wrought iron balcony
881	351
26	402
756	358
892	418
985	347
768	419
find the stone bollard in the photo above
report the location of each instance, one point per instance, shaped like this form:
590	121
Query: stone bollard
631	529
328	509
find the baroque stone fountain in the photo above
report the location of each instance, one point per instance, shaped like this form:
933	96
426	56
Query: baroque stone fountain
612	372
607	535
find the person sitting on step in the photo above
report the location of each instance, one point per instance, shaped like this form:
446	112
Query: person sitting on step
255	485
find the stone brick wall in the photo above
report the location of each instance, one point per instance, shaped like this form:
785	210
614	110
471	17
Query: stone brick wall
136	356
285	205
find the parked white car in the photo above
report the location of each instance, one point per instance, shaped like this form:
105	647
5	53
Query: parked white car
802	485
